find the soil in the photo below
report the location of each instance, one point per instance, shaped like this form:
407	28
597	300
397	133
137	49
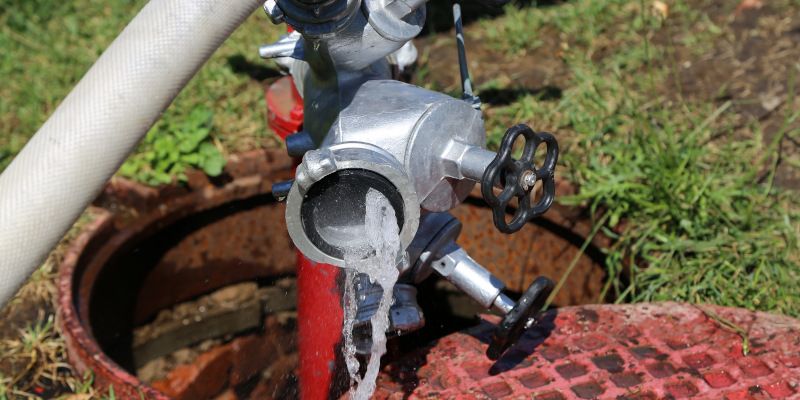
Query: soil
750	64
539	71
15	318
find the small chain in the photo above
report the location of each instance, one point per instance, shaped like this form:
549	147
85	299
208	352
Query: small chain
466	83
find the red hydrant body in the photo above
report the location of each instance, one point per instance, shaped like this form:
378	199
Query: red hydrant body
319	300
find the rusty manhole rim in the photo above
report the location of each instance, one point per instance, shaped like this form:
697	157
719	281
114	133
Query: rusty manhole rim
83	351
105	239
625	351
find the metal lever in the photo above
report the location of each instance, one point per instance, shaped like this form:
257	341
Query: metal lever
518	177
521	317
467	275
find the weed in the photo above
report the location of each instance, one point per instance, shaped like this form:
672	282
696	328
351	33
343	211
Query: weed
82	386
48	46
5	384
110	395
172	147
36	355
674	184
697	225
37	352
518	34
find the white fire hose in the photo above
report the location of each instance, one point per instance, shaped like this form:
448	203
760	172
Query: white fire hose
66	164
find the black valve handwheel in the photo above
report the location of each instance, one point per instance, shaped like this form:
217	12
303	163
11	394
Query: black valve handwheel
521	318
517	178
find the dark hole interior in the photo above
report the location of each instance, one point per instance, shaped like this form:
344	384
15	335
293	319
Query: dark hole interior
334	208
113	304
125	282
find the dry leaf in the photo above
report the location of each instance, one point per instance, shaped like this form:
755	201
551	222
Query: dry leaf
749	5
661	8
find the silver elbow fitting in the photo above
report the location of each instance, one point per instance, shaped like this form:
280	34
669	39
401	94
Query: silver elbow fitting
327	203
395	138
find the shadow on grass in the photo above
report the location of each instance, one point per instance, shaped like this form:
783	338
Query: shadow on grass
258	72
440	13
506	96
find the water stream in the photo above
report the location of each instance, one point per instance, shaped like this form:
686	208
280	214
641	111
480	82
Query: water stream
378	259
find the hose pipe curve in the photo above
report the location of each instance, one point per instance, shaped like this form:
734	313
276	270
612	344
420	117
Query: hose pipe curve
66	163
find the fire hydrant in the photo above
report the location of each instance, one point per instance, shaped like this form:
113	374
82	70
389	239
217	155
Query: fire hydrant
423	151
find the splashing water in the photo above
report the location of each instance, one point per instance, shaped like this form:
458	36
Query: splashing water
378	259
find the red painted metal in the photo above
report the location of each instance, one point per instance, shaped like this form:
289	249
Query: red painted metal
319	310
319	327
284	107
641	351
83	351
247	245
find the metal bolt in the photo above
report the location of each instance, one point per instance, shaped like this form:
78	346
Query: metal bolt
529	323
274	12
527	179
281	189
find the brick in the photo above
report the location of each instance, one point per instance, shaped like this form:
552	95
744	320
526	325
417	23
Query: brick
742	394
698	360
204	378
638	396
753	367
779	390
610	362
660	369
644	352
251	355
587	315
553	395
790	361
678	344
626	379
718	379
228	394
681	389
477	371
588	390
497	390
629	333
571	370
533	380
554	353
590	342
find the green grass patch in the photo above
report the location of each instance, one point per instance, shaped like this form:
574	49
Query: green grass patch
689	218
173	146
686	196
48	46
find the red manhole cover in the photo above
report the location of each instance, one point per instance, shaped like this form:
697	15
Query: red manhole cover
643	351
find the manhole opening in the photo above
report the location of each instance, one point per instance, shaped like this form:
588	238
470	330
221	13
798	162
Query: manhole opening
180	295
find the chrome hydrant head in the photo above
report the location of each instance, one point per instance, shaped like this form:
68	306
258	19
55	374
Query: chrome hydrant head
420	149
327	203
406	142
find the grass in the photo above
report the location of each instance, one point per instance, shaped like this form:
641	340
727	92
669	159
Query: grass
47	47
37	353
686	195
